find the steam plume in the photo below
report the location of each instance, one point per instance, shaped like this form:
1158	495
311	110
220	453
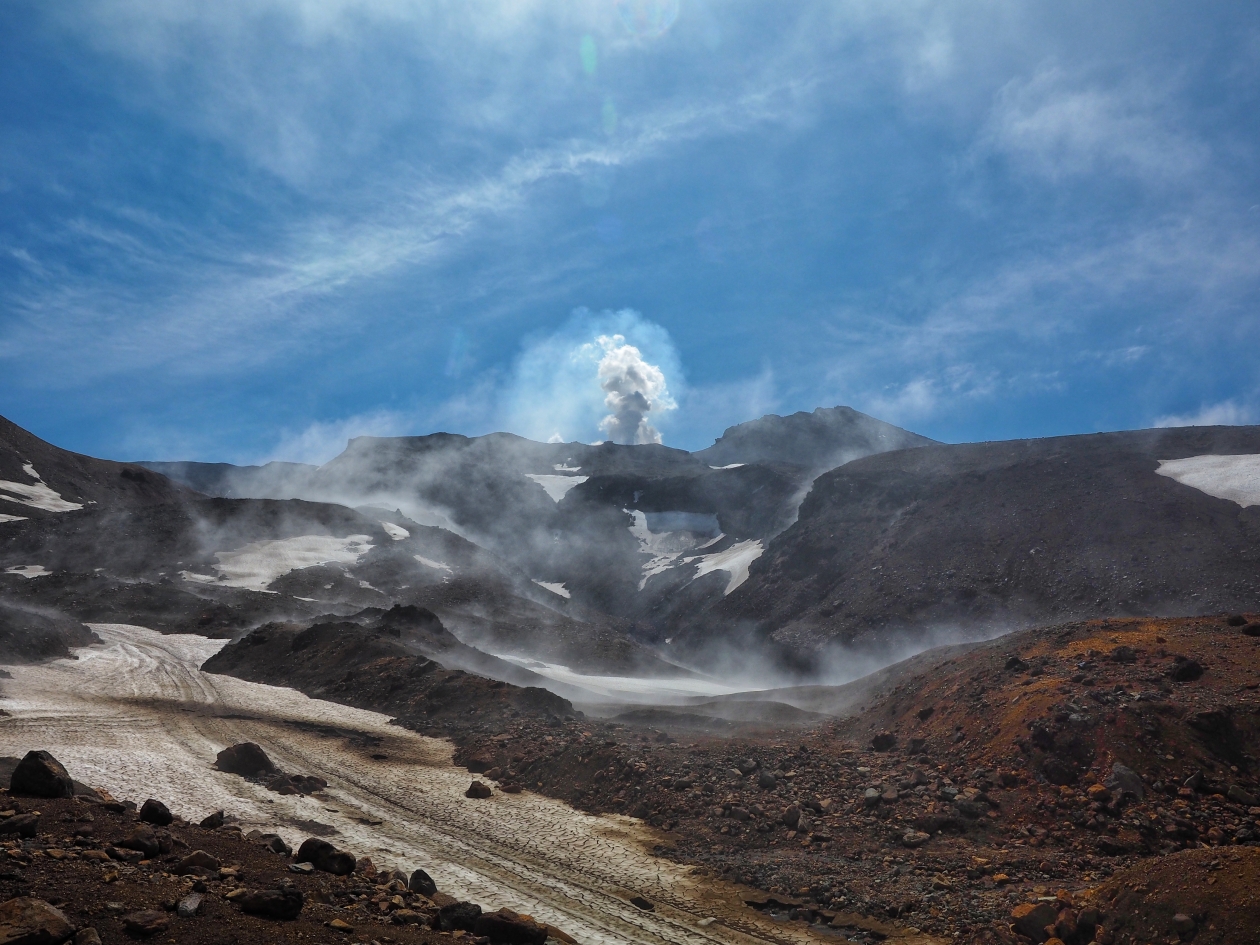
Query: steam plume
633	390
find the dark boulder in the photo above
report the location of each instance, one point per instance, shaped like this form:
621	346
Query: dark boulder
1185	669
508	928
284	903
422	883
246	759
39	774
478	790
25	826
143	840
146	923
156	813
884	741
325	857
213	822
27	921
460	916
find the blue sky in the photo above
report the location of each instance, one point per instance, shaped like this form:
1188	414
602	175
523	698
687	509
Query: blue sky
248	230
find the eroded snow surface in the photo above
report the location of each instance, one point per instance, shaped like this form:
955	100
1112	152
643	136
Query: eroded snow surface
259	563
1236	478
557	486
37	495
666	547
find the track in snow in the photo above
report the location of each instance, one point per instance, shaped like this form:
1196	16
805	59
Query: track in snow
137	717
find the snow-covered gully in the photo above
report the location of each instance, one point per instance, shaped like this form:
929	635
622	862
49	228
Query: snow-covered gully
136	716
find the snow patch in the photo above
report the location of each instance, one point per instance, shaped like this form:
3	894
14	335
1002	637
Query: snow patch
259	563
557	486
731	466
734	560
28	571
12	518
665	546
555	588
561	467
396	532
429	563
37	495
1236	478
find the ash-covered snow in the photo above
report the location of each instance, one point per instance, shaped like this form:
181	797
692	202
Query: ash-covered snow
430	563
557	486
1236	478
12	518
734	559
396	532
259	563
555	588
28	571
37	495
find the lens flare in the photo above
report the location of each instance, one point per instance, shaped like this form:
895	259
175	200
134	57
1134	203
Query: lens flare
589	54
647	19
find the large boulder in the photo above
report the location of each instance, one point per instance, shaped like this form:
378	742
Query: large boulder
156	813
508	928
39	774
284	903
460	916
142	839
422	883
27	921
325	857
246	759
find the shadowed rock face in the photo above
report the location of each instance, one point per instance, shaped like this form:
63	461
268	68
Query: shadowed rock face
998	535
824	439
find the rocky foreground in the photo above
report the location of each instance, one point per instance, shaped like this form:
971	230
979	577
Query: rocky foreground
1090	782
80	866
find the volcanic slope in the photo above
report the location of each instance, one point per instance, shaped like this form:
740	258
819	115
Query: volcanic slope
911	546
90	540
634	531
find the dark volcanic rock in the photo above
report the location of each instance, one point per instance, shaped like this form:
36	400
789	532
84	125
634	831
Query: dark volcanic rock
458	915
284	903
422	883
508	928
479	791
324	856
146	924
245	759
156	813
39	774
27	921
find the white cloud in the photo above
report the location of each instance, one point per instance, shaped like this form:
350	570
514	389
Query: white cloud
1226	413
321	440
1057	125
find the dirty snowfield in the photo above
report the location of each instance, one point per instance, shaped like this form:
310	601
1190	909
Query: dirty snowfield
259	563
557	487
37	494
137	717
1236	478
